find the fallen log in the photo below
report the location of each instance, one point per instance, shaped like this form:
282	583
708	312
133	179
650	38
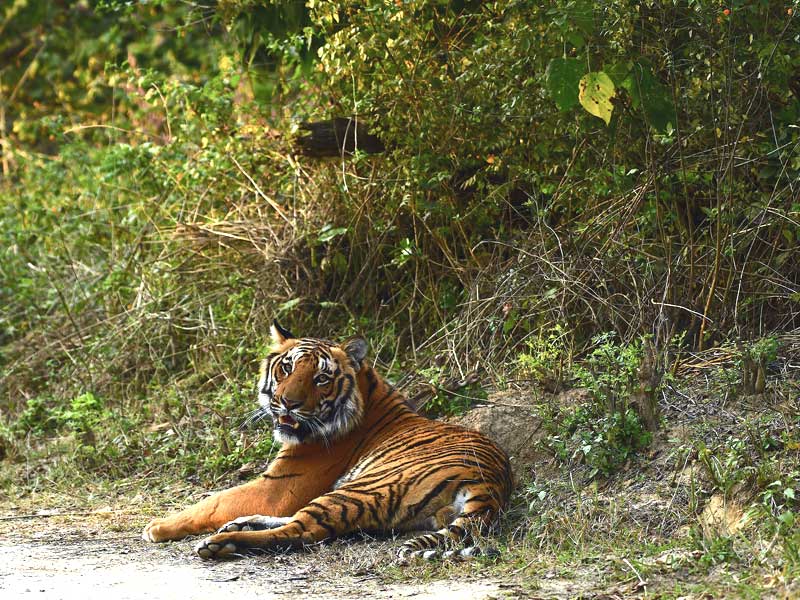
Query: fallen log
337	137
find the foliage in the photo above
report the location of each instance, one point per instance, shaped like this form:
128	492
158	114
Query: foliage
604	432
547	357
764	350
727	470
752	362
778	507
440	400
448	404
754	470
717	550
154	215
54	73
609	372
601	440
84	413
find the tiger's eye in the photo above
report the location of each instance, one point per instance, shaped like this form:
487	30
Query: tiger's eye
321	380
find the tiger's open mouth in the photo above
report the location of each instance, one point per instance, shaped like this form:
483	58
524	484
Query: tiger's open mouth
288	421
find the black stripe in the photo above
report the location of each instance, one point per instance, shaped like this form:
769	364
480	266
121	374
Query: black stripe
340	385
319	518
415	508
372	382
285	476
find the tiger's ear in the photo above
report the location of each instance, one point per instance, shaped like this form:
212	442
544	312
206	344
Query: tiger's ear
356	349
279	334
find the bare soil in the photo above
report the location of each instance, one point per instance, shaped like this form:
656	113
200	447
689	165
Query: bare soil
100	555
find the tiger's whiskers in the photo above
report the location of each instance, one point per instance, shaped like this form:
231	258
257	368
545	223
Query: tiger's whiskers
254	417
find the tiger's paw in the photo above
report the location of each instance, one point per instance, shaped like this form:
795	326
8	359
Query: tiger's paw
253	523
216	546
159	530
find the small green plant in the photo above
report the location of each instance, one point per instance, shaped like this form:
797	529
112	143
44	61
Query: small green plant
715	550
610	371
728	466
765	350
243	452
448	403
36	417
547	357
753	467
778	507
602	441
92	425
84	413
447	396
604	433
752	362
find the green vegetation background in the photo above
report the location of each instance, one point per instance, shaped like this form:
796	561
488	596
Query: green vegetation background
553	171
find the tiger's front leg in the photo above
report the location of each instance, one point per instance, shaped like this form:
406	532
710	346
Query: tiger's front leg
254	523
323	518
295	477
221	509
207	515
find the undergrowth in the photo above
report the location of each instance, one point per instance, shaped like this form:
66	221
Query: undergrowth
717	516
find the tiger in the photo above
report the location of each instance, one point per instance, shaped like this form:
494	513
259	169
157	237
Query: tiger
354	457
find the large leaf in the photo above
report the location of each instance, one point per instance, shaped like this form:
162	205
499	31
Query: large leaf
652	95
562	77
595	93
581	14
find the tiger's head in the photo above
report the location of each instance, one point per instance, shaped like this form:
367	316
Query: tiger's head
308	387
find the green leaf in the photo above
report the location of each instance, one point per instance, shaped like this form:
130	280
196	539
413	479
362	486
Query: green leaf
619	72
562	78
576	39
510	322
404	252
581	15
789	493
652	95
787	518
595	93
329	232
288	305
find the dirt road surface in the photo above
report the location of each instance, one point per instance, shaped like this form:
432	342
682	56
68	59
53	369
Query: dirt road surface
68	557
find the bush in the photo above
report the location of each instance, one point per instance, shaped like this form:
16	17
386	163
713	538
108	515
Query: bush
603	441
610	372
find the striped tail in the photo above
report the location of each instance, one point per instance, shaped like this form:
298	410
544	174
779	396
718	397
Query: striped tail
454	542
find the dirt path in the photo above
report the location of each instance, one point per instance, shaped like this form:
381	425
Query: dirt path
54	558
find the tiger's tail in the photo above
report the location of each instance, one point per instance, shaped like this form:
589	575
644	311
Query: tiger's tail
454	542
457	540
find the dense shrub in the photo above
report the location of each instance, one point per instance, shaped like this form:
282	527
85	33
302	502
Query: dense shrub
629	167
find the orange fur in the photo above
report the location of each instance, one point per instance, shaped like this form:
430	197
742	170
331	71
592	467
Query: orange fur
355	457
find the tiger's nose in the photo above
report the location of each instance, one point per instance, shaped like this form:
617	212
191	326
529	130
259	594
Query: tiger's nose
289	404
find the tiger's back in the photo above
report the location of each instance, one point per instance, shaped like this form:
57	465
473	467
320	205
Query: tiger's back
423	474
